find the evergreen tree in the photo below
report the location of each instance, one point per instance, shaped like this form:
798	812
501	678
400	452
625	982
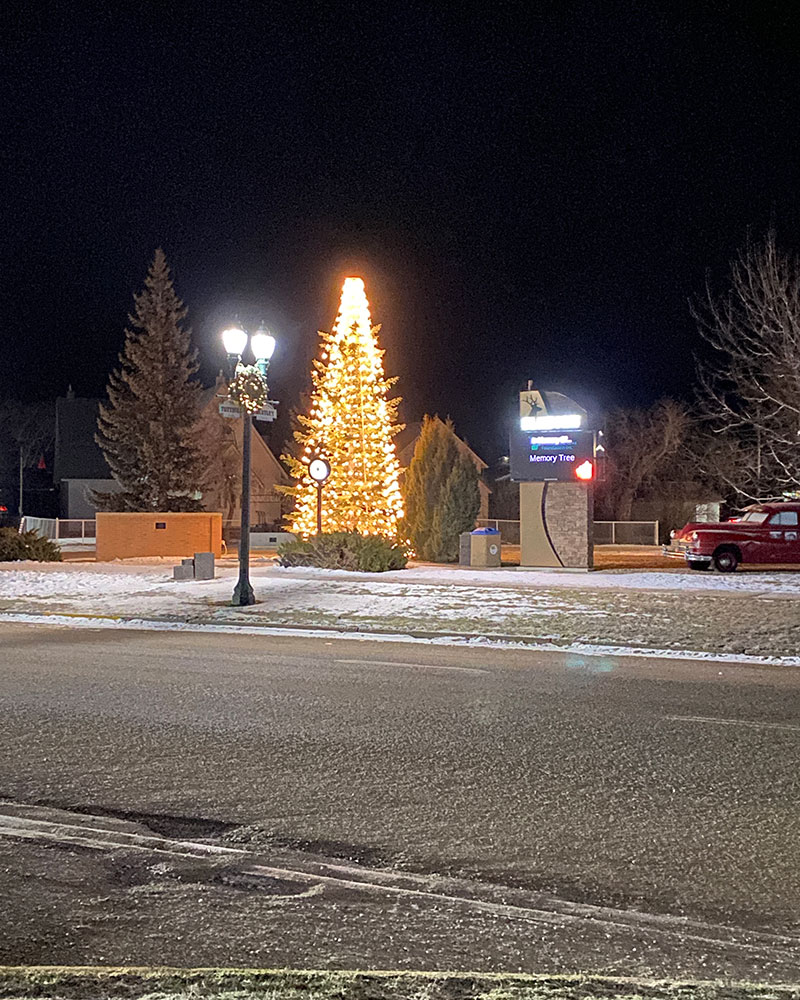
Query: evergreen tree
148	429
458	507
441	493
435	455
351	423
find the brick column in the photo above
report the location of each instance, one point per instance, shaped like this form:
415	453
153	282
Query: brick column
569	517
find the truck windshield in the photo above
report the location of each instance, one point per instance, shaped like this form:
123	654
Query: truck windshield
755	516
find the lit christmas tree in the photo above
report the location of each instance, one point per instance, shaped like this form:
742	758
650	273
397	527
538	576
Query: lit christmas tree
351	423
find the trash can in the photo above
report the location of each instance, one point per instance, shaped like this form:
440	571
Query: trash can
485	548
465	548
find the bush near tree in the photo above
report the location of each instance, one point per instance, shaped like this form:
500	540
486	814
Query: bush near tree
16	546
441	493
344	550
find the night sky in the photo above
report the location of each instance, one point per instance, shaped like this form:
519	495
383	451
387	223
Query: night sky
529	190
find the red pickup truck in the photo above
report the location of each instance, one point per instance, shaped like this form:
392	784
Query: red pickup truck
766	533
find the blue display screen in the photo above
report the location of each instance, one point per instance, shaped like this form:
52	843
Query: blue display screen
542	456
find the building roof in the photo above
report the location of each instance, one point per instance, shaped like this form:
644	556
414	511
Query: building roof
406	441
262	455
77	455
207	394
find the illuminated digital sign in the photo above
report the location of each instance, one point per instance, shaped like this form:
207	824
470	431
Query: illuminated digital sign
551	422
551	456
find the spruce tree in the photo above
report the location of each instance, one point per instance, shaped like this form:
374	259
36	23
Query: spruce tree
351	422
148	429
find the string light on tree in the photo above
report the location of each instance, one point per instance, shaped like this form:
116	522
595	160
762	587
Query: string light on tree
352	422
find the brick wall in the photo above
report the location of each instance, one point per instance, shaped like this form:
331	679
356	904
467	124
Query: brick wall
125	536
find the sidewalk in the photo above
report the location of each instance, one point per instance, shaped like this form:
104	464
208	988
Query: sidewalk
751	614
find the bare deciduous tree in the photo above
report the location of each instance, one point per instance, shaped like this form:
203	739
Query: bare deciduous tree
30	427
638	443
750	390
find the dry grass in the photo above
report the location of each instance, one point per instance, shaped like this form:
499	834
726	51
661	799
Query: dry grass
59	983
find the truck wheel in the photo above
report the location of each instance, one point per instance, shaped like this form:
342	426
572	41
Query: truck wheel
698	566
725	560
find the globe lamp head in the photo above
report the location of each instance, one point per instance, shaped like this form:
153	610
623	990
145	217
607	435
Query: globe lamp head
234	340
263	344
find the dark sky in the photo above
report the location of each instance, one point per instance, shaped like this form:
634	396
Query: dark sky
529	190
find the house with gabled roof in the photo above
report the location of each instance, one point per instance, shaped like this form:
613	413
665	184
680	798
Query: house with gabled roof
80	467
223	438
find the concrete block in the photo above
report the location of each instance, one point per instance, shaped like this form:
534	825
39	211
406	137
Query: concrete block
183	572
187	562
204	565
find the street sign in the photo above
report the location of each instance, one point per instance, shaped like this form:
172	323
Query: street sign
230	410
267	412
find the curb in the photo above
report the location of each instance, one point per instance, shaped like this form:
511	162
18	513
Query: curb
473	640
248	621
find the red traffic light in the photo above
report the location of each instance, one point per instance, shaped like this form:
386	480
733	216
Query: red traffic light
585	471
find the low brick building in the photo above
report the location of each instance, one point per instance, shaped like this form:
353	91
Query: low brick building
127	536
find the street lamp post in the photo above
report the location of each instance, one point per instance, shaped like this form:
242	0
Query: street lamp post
262	344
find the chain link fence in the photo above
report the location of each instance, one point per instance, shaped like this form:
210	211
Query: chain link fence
605	532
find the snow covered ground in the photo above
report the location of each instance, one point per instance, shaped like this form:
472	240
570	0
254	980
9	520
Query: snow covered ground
741	614
679	578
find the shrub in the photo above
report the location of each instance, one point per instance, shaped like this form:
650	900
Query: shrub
41	549
28	545
344	550
12	546
377	554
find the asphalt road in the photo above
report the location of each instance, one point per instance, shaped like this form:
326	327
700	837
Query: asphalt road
636	815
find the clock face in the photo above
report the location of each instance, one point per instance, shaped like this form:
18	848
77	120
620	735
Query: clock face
319	469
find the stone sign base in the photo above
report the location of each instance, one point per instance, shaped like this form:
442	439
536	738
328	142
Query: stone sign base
556	525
